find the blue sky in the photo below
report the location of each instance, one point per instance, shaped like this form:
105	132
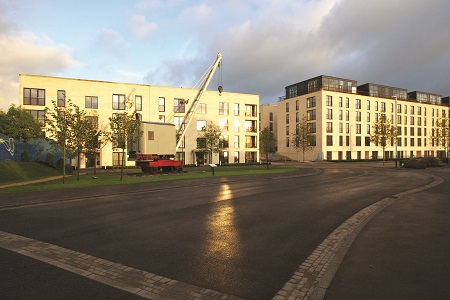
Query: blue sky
266	44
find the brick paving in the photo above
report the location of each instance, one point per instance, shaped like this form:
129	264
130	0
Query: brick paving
314	275
138	282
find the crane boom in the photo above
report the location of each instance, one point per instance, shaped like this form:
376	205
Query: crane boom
181	131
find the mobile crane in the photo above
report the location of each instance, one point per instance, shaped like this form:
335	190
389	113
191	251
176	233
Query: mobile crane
156	149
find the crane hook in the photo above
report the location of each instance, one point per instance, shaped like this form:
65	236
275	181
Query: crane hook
220	90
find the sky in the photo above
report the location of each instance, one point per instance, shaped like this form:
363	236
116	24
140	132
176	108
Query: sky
266	44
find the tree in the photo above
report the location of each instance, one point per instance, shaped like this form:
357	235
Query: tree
267	143
303	137
96	138
384	134
125	130
441	134
19	124
210	140
59	123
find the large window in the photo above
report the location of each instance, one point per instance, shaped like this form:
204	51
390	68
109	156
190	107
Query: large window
329	127
329	140
237	125
201	125
162	104
38	115
236	141
311	114
236	109
91	102
179	105
329	114
329	100
311	102
61	98
138	103
223	124
223	108
118	101
34	96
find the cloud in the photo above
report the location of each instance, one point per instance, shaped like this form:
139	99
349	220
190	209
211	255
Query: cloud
140	27
27	53
112	43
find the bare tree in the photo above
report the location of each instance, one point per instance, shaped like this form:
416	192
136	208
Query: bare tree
303	137
125	130
384	134
267	143
441	134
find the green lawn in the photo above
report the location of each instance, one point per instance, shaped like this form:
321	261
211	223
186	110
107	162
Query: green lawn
11	172
104	178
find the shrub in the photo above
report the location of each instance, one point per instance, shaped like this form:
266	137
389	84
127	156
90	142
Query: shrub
24	156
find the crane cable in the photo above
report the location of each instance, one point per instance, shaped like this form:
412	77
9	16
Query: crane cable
219	79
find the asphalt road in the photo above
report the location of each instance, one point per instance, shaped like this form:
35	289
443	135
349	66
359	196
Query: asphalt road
241	236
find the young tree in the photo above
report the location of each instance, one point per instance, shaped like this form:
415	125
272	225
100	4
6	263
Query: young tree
19	124
267	143
384	134
59	123
442	134
125	130
210	138
303	138
96	139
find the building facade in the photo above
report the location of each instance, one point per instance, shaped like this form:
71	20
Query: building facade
340	115
235	113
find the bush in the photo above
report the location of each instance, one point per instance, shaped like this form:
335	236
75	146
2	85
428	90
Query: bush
421	163
24	156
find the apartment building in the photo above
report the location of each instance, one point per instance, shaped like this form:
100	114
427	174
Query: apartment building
340	115
235	113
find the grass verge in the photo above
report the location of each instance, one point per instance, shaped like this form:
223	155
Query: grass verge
12	172
136	176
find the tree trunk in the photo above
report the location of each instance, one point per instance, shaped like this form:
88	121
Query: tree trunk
267	160
95	163
78	164
123	163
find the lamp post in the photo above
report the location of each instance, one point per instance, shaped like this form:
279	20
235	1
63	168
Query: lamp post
396	132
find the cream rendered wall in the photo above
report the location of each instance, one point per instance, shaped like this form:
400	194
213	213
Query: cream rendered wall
77	89
320	151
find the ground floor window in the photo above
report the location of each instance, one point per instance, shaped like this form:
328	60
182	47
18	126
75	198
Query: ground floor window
223	157
117	158
250	157
329	155
236	156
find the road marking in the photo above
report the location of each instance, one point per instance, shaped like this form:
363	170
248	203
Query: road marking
141	283
315	274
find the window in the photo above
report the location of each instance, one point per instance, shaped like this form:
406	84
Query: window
287	142
236	109
287	118
411	131
340	101
223	124
358	116
411	111
347	115
297	117
34	96
38	115
347	102
358	104
311	127
329	101
311	102
329	127
201	125
225	141
358	141
271	116
347	141
340	114
61	98
297	106
368	104
367	141
236	156
177	121
419	121
237	125
93	120
399	108
287	130
119	102
329	114
341	141
117	158
223	108
358	128
150	135
368	117
412	121
341	127
329	140
383	106
287	106
236	141
179	105
311	114
411	142
138	103
161	104
376	105
399	119
201	109
91	102
347	128
368	129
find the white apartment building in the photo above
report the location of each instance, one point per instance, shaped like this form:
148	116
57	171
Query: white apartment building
235	113
340	114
